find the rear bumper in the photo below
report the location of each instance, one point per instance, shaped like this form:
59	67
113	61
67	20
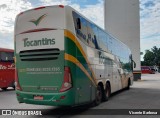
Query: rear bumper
53	99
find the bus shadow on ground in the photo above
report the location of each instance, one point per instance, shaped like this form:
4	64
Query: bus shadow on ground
118	92
86	109
150	80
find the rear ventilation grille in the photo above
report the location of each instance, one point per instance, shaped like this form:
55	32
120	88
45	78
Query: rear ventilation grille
39	54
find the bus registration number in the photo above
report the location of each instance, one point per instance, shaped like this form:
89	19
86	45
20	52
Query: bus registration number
38	97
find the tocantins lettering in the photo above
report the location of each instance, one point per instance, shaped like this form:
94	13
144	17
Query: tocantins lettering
43	41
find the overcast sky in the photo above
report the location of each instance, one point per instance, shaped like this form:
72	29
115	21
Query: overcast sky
93	9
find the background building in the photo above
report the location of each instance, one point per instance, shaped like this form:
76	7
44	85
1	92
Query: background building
122	21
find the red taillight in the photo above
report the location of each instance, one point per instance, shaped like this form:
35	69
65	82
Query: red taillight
61	6
67	82
17	85
39	8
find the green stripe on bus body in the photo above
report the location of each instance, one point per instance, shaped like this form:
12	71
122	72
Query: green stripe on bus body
72	37
74	51
78	64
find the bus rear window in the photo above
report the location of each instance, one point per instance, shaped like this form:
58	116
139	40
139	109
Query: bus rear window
6	56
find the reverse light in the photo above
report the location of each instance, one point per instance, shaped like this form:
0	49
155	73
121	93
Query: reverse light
67	82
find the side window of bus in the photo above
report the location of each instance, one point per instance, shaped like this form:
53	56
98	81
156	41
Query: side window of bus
0	57
6	57
3	56
106	40
78	21
80	27
116	47
110	46
103	39
92	37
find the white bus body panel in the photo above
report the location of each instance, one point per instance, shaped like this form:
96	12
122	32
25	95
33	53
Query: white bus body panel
53	17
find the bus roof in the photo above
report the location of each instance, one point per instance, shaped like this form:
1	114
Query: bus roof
66	6
6	50
41	7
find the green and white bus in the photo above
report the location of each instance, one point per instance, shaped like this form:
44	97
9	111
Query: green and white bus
64	59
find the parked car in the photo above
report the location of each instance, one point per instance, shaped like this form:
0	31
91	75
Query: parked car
155	68
147	70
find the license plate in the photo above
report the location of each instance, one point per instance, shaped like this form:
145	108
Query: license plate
38	97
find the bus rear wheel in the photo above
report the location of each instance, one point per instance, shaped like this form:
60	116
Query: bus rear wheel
4	88
98	97
14	86
107	92
128	86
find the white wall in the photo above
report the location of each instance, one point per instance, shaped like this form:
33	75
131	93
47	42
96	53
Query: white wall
122	21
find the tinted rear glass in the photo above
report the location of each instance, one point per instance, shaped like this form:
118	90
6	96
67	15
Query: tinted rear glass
6	56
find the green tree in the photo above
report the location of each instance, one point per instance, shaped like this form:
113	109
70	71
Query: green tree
152	57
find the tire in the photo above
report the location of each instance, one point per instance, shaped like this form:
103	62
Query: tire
128	86
107	92
4	88
98	97
14	86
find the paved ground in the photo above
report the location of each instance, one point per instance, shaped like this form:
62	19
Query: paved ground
144	94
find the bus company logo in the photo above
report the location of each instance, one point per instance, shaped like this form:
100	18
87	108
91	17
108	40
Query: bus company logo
12	66
37	21
5	67
43	41
2	67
